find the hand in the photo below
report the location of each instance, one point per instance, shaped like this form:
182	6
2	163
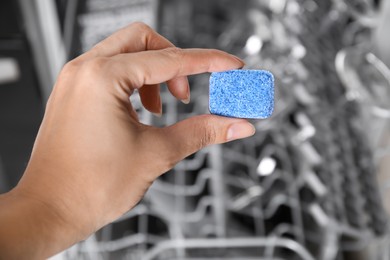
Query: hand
93	160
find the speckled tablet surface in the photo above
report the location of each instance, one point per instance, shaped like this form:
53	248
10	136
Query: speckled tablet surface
242	93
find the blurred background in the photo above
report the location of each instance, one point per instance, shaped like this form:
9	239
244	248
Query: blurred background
313	183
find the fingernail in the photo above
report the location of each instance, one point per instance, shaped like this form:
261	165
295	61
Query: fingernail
240	130
187	99
237	58
157	114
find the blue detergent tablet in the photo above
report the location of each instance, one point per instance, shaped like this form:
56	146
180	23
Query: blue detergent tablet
242	93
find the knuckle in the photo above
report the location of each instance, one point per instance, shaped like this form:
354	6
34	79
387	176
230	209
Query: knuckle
141	26
208	134
174	52
176	55
95	67
141	75
70	67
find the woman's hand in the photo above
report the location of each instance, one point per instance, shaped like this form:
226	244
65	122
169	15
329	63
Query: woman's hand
93	160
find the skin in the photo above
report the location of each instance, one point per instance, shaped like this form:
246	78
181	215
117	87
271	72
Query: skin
93	160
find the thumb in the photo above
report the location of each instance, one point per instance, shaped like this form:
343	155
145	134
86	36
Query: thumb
190	135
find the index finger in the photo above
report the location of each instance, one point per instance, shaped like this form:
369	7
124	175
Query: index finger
135	37
153	67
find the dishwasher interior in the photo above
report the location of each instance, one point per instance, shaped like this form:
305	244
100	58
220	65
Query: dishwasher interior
312	182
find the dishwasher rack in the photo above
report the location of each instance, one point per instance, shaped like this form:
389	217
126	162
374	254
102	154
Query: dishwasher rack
305	186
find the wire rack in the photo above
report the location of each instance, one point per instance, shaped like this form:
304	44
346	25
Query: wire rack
305	186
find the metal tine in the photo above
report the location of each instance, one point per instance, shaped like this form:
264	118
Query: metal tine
140	209
162	203
349	78
218	191
240	181
232	155
292	201
286	229
278	175
333	228
310	154
366	16
279	200
195	163
318	214
315	184
256	190
374	110
140	238
303	96
228	258
244	242
308	178
306	128
199	213
119	244
245	198
91	248
185	190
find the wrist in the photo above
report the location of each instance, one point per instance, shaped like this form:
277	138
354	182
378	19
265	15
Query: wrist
31	228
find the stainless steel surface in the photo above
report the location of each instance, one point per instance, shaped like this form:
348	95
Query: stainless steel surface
43	31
